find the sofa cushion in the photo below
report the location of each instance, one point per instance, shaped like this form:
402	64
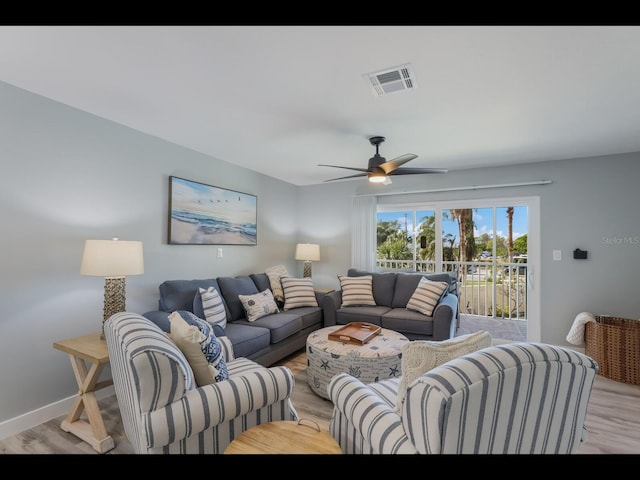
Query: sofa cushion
179	294
406	284
212	306
231	288
383	285
261	280
310	316
409	322
357	291
419	356
258	305
366	314
298	292
280	325
426	296
247	339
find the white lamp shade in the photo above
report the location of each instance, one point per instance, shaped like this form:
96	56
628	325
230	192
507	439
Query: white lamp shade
112	258
308	251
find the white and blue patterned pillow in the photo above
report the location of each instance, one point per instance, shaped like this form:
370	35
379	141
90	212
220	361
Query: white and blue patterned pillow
213	308
211	346
258	305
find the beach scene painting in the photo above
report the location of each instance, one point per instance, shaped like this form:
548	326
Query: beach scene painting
201	214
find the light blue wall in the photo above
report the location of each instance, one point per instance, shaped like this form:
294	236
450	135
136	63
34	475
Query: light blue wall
68	176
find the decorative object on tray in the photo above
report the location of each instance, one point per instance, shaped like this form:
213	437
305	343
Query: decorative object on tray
357	333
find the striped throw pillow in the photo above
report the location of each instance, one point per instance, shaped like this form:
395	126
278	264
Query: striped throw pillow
298	292
214	311
426	296
357	291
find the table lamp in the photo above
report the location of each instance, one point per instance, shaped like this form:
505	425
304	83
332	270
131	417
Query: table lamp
114	260
309	252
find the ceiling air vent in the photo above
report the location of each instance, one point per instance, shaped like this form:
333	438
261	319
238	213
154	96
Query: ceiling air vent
392	80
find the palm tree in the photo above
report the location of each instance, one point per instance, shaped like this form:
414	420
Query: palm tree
510	235
465	227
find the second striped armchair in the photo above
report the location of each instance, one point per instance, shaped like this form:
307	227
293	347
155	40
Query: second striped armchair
517	398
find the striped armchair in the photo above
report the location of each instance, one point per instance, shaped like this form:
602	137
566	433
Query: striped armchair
514	398
163	411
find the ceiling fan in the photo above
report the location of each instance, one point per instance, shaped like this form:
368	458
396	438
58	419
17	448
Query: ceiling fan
380	168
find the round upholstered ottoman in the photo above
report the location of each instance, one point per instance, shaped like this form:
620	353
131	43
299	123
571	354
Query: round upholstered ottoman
378	359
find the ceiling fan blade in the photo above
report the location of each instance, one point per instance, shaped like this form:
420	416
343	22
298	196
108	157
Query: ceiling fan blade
379	169
347	168
416	171
394	163
348	176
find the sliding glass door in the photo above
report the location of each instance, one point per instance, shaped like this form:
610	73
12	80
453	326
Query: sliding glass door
490	245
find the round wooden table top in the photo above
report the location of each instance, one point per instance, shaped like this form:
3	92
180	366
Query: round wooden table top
284	437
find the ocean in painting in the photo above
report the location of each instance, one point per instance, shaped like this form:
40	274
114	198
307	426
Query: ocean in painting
208	225
205	215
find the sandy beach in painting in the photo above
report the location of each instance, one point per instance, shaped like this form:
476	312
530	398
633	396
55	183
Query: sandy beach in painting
189	233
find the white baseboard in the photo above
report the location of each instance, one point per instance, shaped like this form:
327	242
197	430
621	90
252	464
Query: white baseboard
13	426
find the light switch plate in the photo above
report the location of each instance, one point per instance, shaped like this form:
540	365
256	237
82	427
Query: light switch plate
557	255
219	253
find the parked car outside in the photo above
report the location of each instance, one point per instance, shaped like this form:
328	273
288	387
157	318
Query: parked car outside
519	269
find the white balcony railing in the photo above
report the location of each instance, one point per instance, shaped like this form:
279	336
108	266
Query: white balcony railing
489	289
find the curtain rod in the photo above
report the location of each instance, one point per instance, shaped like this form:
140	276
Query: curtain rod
456	189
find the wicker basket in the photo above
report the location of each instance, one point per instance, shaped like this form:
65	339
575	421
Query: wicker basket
614	343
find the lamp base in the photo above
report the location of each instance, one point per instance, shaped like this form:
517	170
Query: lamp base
114	298
307	268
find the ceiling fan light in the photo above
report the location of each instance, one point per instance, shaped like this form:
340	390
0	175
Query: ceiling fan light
377	177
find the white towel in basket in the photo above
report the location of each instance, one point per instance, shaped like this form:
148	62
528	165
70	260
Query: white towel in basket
576	333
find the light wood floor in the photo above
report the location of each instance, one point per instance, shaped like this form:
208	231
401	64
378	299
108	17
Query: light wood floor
613	420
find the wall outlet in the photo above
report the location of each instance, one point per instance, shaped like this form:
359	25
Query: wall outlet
219	253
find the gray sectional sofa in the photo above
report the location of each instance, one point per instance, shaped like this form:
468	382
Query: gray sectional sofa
391	292
265	340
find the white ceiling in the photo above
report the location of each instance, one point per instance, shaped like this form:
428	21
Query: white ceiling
282	99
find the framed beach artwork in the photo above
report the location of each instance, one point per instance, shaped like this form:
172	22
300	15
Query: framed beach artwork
201	214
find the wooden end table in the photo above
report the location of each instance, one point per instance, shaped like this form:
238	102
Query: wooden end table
85	350
287	437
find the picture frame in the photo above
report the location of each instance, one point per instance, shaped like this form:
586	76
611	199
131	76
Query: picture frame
201	214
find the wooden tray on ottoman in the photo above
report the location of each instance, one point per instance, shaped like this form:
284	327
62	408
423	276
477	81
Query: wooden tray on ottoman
357	333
